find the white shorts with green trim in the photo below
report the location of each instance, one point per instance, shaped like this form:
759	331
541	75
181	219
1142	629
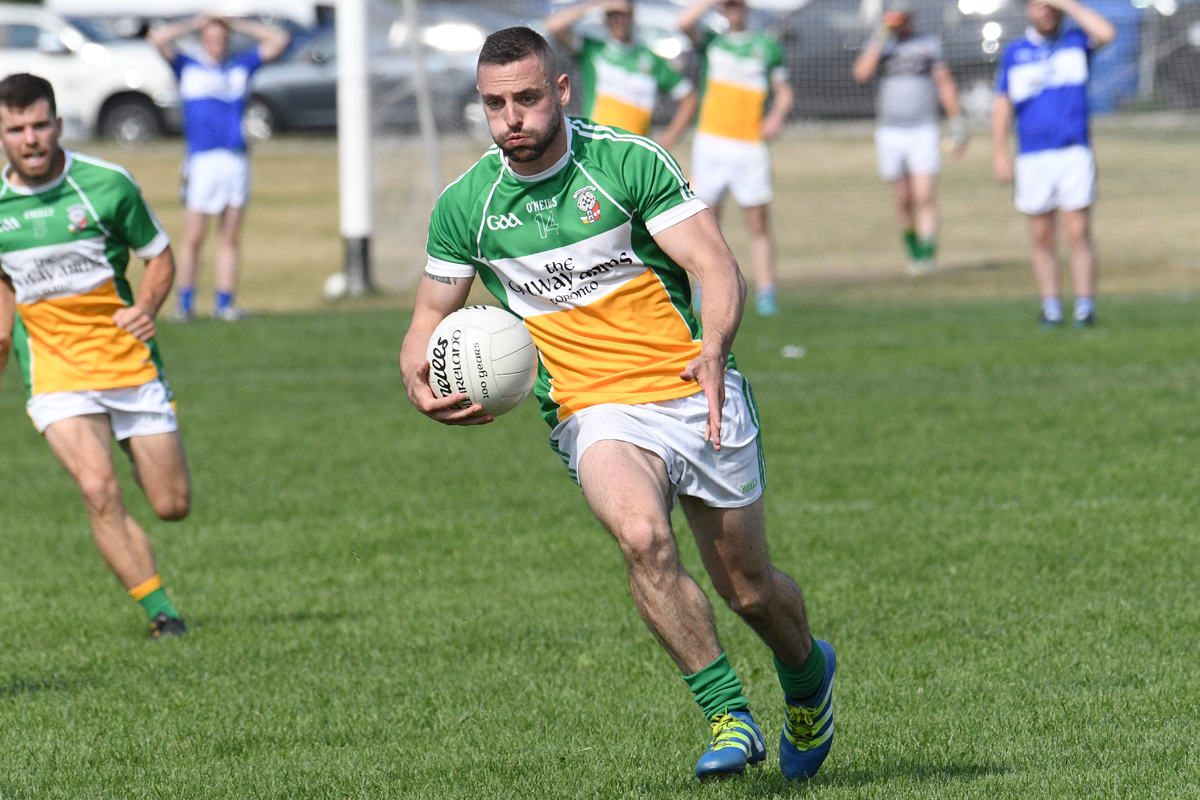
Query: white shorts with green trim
723	166
133	410
731	477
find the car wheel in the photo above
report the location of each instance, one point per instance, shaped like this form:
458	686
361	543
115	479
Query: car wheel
131	120
259	122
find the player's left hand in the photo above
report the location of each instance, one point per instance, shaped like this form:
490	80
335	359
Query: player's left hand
708	370
136	321
772	126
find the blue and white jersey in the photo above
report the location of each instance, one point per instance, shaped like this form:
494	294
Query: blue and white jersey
1046	80
214	96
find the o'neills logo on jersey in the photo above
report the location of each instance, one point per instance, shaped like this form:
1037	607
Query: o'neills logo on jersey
589	206
77	218
446	368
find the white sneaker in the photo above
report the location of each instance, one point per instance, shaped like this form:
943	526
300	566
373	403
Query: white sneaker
230	314
921	266
179	315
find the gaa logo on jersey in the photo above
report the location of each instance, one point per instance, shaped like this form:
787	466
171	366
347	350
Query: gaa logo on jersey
77	218
589	206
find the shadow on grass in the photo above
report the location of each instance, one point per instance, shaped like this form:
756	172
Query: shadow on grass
773	784
17	688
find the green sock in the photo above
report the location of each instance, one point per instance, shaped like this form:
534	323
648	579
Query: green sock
717	689
910	243
157	603
926	248
803	682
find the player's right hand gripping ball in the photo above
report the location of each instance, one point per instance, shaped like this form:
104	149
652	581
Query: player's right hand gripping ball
485	353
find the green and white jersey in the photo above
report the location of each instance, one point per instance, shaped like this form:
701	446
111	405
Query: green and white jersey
621	83
571	252
739	68
65	245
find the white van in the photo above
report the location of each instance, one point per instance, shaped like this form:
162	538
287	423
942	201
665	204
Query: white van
119	89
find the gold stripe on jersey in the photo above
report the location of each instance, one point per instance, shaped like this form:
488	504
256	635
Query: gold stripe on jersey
74	345
627	347
620	114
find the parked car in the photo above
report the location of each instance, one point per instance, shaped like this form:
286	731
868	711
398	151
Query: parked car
299	92
120	89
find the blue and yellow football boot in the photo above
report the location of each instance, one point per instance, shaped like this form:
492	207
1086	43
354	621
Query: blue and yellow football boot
736	742
808	730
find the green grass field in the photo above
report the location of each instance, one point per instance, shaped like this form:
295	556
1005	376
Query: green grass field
995	525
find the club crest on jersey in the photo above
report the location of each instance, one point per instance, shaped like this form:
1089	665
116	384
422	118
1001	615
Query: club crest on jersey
589	206
77	218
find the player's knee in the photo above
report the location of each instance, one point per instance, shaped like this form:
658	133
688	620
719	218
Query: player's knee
101	493
647	546
173	507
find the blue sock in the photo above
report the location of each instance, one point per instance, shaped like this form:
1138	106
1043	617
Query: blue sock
1084	306
185	295
1052	309
224	300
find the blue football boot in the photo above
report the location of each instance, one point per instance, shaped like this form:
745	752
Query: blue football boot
808	730
736	742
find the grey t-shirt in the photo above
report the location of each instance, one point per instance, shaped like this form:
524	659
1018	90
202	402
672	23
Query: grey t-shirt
907	96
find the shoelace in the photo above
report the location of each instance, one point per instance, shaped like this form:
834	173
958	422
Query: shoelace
724	728
802	724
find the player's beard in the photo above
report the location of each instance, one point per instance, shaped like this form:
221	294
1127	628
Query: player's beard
532	151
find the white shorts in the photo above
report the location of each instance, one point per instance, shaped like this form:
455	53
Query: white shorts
908	151
215	180
1055	179
732	477
133	411
721	165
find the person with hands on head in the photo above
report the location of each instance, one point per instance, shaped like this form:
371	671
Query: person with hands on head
913	80
216	170
84	342
1042	84
742	68
646	407
621	78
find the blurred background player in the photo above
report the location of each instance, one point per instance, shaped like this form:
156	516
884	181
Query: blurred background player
84	344
621	78
913	79
730	154
1042	81
216	172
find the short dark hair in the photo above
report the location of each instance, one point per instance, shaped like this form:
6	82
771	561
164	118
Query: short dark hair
21	90
509	45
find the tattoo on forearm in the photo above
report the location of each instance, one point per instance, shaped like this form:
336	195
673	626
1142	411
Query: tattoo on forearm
441	279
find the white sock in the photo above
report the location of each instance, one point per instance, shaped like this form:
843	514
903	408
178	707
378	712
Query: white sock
1052	309
1084	306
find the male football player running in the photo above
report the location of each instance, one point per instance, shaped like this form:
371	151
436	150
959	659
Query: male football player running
83	340
589	233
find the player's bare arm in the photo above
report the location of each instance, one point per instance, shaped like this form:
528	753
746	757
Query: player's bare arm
561	24
696	244
437	298
689	20
157	278
1002	161
163	36
684	114
947	92
8	315
1099	30
781	106
272	41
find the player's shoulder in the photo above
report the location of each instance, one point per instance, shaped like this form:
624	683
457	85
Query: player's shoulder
96	172
473	185
605	144
1074	37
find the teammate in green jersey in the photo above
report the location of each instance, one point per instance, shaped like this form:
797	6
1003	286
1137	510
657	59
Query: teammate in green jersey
84	342
589	233
621	78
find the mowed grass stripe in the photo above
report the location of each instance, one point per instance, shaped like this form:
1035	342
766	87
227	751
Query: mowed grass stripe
994	524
